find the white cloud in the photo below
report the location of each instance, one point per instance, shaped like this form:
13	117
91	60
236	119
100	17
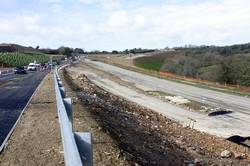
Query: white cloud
224	22
19	24
110	4
86	1
204	23
105	4
49	1
139	20
118	27
118	19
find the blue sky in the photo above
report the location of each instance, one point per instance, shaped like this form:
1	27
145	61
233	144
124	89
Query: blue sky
121	24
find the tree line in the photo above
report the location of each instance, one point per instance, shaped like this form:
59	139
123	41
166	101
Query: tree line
228	64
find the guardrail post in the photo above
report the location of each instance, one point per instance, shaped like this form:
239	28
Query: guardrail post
62	90
60	84
84	144
68	105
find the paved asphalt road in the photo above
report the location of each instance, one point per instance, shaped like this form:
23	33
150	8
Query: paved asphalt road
240	106
14	97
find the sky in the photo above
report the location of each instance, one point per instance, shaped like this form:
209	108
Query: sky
120	24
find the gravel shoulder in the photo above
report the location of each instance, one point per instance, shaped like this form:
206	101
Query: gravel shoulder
36	139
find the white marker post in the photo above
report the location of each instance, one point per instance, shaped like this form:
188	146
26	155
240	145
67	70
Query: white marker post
51	67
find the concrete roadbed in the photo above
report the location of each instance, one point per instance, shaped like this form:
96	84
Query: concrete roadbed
36	139
227	125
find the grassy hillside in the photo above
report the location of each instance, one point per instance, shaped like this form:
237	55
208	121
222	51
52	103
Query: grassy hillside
21	59
230	64
150	63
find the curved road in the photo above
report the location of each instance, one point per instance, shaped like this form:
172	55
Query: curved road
14	97
237	122
210	97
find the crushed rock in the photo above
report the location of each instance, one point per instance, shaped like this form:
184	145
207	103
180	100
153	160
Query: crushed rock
177	99
226	154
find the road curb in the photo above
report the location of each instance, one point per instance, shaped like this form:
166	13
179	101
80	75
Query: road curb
4	144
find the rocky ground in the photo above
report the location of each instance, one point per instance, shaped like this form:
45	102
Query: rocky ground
36	139
148	138
105	149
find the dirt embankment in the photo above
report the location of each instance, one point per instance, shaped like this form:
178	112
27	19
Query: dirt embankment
149	138
105	149
36	139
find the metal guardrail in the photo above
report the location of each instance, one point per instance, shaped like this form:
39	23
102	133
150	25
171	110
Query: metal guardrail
6	73
77	146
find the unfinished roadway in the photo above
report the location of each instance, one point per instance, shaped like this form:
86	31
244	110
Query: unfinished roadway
235	123
15	93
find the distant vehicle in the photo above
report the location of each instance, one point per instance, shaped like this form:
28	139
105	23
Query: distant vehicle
20	70
38	65
44	66
32	66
